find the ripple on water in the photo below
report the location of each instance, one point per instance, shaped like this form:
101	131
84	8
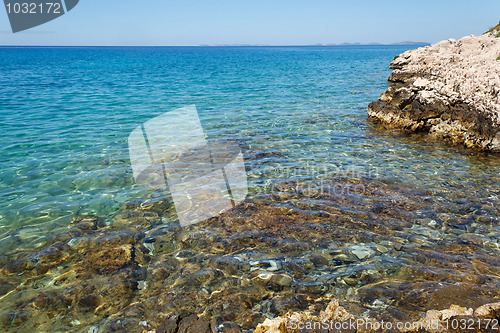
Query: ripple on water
260	259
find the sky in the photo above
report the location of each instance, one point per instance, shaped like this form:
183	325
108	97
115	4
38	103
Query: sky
264	22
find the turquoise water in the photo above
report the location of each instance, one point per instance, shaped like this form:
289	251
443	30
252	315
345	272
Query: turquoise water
298	113
66	114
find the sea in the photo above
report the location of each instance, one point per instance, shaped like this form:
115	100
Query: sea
338	206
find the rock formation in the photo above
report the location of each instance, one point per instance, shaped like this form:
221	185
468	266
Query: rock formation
450	89
336	319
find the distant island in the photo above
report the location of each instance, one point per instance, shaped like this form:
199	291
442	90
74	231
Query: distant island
327	44
400	43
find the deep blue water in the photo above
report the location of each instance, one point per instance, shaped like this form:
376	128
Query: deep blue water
66	113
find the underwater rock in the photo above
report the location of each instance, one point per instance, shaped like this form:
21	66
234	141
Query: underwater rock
142	218
362	252
86	223
193	324
256	261
228	328
188	324
169	325
108	261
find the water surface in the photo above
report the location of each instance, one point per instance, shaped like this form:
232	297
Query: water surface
338	207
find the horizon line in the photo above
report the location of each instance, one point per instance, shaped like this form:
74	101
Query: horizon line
237	45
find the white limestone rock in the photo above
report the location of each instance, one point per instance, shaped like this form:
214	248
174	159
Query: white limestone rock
450	89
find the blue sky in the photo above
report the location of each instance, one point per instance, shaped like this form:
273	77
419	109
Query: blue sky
271	22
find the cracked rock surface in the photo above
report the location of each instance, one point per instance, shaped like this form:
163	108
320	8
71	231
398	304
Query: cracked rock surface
450	90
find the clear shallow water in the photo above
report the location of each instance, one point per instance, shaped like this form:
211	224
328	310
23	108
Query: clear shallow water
299	114
66	113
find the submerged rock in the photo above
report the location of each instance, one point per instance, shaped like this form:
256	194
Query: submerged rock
362	252
450	89
260	260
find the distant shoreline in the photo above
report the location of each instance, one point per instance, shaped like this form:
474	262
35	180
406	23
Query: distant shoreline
325	44
217	45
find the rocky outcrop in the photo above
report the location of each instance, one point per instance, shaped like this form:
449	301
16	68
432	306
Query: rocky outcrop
336	319
450	89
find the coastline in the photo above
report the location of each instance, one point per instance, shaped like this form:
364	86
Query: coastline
449	90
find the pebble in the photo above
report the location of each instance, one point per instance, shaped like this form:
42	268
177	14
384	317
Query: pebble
265	277
281	280
227	264
268	265
341	257
429	233
317	288
150	240
397	246
93	329
150	247
142	285
432	224
79	243
362	252
491	245
381	248
350	281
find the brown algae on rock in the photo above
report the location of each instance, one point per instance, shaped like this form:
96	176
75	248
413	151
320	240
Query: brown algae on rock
261	260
